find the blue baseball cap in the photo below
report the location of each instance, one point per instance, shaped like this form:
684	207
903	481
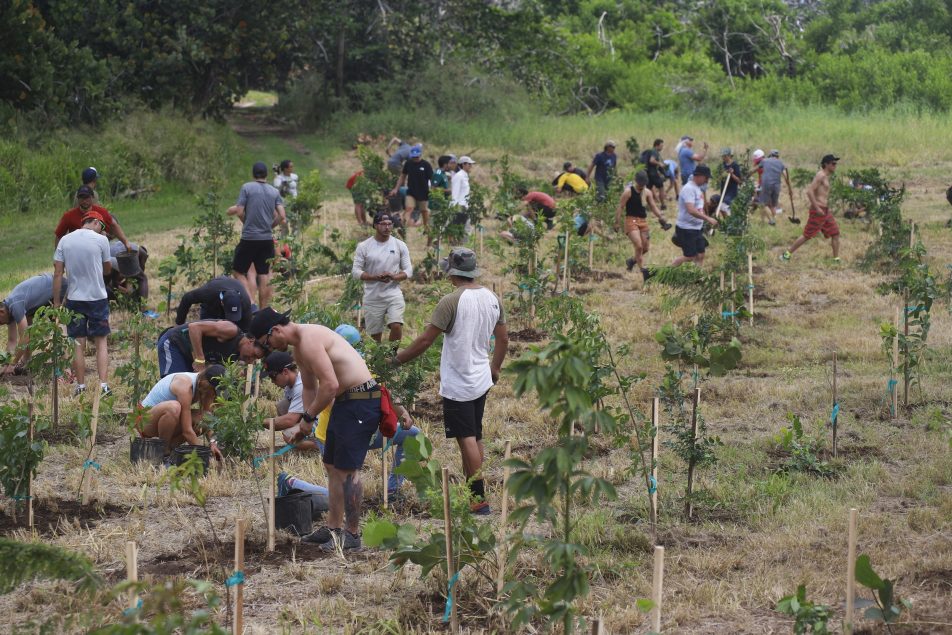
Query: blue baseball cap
416	151
349	333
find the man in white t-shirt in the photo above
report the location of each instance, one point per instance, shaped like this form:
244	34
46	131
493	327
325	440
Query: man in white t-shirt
382	262
84	253
468	318
689	228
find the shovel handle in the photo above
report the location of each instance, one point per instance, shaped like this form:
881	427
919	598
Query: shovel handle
790	193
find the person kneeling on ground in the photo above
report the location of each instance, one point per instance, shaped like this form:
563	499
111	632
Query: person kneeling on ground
171	416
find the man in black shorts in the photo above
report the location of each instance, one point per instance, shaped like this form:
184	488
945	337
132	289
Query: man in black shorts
416	175
654	167
260	209
689	228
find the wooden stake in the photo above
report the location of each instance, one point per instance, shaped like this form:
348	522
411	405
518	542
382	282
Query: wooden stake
132	570
272	485
591	250
480	243
850	574
360	315
895	368
657	584
383	472
238	626
566	281
29	476
912	234
750	286
655	416
833	420
905	350
450	568
503	533
689	503
94	424
597	626
733	289
532	308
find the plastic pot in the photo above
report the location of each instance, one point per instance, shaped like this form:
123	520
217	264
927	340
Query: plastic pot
142	450
293	513
180	454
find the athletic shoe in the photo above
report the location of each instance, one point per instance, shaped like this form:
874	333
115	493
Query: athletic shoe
630	264
318	537
341	540
785	256
480	509
645	273
771	222
837	260
283	487
665	225
79	389
105	390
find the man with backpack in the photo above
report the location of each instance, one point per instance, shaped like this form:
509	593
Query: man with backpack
655	168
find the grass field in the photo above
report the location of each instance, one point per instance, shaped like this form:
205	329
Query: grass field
759	531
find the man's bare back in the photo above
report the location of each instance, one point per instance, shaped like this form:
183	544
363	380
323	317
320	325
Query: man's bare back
314	347
818	191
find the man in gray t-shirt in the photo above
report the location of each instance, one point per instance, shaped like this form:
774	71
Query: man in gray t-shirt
16	311
260	208
382	262
773	170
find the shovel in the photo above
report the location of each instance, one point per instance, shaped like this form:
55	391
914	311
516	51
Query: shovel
717	212
793	219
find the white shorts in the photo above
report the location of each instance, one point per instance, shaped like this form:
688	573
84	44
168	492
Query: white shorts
379	315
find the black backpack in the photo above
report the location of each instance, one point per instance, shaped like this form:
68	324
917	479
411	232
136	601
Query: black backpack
948	195
646	158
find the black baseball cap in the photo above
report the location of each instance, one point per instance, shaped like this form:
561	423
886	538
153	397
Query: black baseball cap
213	374
89	175
702	170
829	158
231	303
266	319
259	170
277	361
84	192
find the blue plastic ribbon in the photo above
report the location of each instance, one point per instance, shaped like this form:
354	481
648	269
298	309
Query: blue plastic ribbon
727	314
653	485
388	445
835	413
21	498
913	309
449	597
132	609
750	286
258	460
236	578
91	464
150	314
890	390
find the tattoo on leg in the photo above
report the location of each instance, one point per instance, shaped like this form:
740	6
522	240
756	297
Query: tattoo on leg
353	493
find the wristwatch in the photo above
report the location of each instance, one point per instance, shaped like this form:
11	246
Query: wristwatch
309	417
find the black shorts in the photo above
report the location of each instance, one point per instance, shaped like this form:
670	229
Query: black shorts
463	419
257	252
582	229
352	425
691	241
656	180
93	318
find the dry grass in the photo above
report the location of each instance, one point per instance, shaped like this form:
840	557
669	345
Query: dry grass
757	537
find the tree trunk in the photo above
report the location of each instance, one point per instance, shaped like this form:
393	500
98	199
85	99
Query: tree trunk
339	74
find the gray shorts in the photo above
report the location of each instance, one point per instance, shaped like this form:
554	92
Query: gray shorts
770	194
378	315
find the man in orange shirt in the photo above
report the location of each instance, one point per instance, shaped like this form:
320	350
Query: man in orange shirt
73	219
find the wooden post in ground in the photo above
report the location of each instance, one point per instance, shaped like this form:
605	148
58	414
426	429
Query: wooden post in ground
480	243
597	626
132	570
895	367
244	407
532	307
503	533
94	424
653	512
450	567
238	626
906	372
54	395
656	588
912	234
383	474
689	502
750	286
850	574
591	250
733	307
360	315
835	414
566	282
273	460
29	476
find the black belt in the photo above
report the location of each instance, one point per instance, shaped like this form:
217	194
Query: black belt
367	390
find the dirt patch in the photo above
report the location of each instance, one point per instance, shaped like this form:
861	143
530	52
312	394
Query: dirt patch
51	513
429	410
596	276
527	335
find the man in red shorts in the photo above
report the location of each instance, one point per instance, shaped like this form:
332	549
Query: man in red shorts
821	220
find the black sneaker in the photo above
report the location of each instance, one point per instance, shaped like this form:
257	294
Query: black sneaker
318	537
630	264
646	273
341	540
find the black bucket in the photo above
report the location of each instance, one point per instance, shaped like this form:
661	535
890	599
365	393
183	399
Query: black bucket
293	513
143	450
128	262
181	453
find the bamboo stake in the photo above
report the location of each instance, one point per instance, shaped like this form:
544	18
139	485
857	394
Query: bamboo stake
657	583
895	368
503	534
29	476
566	282
238	626
532	308
450	568
850	573
833	420
689	503
132	570
750	286
655	415
272	485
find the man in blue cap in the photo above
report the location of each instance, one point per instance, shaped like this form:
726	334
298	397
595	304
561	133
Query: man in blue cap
260	209
416	175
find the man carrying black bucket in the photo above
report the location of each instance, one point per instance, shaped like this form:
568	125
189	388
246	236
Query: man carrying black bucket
171	416
332	372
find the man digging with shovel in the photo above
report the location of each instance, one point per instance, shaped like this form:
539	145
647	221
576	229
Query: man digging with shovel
821	220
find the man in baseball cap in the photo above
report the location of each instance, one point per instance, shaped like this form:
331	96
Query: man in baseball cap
689	227
468	317
222	298
381	263
72	219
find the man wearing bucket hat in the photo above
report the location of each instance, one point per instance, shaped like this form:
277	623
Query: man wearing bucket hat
222	298
382	262
73	219
16	311
84	254
468	318
332	372
821	220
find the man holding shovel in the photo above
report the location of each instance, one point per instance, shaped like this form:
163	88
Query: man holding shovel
821	220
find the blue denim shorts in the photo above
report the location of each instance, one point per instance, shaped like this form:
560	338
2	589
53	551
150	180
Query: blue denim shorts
93	319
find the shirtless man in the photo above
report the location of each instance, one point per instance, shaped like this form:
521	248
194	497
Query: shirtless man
820	218
633	201
332	372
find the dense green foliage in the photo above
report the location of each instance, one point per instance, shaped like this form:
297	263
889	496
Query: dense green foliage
24	561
